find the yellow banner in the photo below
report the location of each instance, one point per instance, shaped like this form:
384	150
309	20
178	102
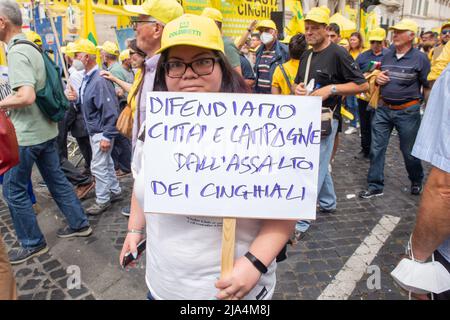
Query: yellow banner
237	13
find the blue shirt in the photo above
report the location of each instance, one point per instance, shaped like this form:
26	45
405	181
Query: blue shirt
407	74
368	56
432	141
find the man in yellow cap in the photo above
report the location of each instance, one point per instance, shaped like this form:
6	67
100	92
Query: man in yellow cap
36	136
366	61
231	51
332	73
268	56
444	37
153	15
97	100
403	78
109	52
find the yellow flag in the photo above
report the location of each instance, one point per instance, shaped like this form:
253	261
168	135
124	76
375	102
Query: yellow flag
89	32
297	23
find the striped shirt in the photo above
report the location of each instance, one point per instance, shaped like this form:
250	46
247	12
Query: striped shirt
432	141
5	89
264	80
407	74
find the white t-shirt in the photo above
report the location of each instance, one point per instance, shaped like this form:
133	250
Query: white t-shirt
184	252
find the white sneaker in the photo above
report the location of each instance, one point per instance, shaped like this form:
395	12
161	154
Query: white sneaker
351	130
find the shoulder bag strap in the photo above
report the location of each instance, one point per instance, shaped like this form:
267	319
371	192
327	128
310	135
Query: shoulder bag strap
283	71
308	67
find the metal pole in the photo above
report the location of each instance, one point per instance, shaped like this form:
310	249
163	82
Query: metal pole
358	15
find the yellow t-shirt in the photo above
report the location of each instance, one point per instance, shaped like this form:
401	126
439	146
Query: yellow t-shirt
355	53
131	95
278	79
440	63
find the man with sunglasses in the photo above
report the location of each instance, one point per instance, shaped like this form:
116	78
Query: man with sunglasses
365	61
444	37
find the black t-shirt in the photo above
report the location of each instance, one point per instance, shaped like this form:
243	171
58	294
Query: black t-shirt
333	65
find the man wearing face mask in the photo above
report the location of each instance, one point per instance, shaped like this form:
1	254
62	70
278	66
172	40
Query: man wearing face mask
269	56
98	102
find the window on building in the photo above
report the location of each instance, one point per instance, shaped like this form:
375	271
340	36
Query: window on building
425	8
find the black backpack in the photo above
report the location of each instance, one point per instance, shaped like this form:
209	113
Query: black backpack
51	100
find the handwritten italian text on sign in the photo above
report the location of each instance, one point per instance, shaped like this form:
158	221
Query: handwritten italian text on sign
232	155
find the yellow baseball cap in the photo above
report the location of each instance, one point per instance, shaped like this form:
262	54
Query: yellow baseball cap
110	47
266	24
377	34
68	50
447	24
319	15
406	25
162	10
212	13
124	55
34	37
85	46
192	30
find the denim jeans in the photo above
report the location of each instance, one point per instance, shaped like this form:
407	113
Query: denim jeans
407	123
351	104
121	153
102	168
326	193
15	186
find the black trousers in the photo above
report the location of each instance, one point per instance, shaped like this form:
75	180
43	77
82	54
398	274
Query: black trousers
121	153
365	118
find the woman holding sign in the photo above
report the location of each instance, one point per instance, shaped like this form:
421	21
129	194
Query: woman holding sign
184	252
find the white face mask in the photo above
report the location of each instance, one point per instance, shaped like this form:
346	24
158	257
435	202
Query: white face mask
421	277
78	65
266	37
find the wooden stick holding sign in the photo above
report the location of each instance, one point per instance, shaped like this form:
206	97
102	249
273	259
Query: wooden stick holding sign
228	241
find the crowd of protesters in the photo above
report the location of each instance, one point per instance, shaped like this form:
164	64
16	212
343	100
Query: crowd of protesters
374	90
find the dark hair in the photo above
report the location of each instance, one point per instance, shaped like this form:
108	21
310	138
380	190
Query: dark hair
232	82
133	46
429	33
297	46
335	28
360	38
219	25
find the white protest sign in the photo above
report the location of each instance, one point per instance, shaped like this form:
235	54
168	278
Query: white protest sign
232	155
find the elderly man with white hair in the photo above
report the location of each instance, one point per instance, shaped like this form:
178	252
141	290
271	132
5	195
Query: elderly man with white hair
404	86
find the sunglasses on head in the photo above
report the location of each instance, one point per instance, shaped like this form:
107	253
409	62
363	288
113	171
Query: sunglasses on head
445	32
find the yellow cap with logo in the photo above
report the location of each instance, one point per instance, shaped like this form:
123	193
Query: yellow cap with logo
34	37
319	15
192	30
447	24
406	25
266	24
162	10
124	55
110	47
344	42
85	46
377	34
213	13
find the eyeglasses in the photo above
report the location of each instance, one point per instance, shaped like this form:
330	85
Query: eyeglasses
374	41
445	32
201	67
135	23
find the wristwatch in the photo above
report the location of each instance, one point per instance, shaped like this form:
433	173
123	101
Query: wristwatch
333	90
